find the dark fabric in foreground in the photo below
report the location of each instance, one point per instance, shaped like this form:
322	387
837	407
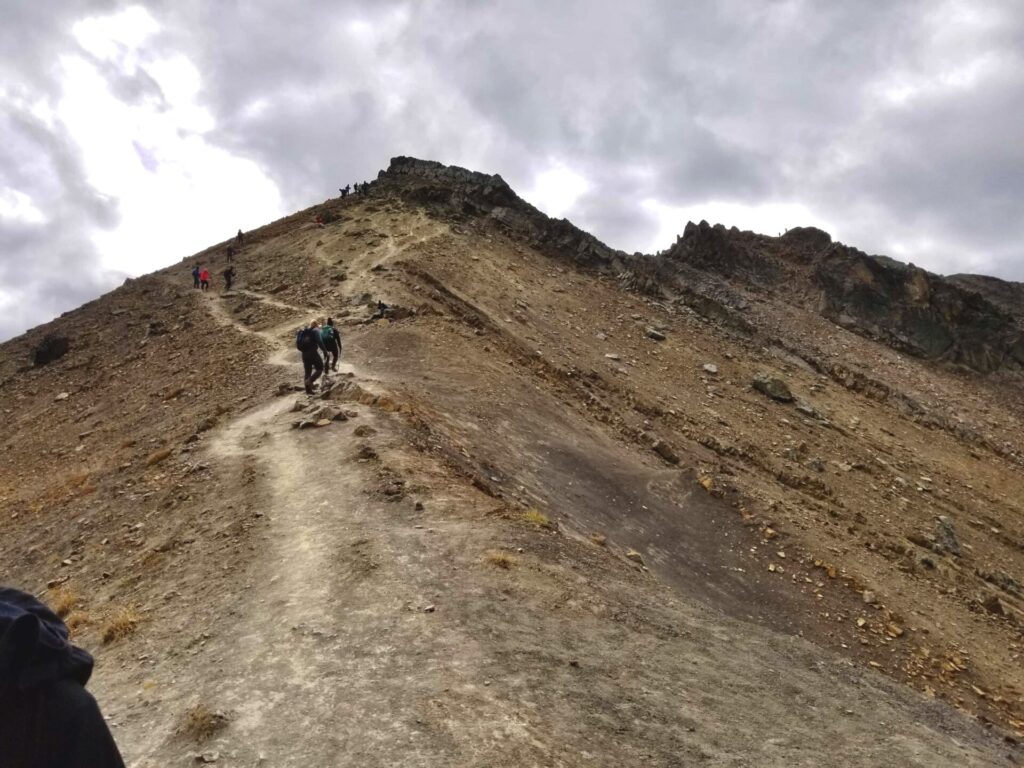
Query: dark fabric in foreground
47	718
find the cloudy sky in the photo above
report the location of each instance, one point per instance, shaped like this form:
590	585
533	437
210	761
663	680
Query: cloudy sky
136	133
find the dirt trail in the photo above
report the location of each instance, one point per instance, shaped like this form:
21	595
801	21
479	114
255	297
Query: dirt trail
369	631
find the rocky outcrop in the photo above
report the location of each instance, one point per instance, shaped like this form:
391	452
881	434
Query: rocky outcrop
51	348
916	311
1006	295
467	193
965	320
726	252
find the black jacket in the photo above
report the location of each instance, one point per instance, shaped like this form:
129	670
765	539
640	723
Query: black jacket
47	718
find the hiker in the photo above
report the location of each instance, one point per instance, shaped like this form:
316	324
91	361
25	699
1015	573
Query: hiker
229	276
47	718
355	187
383	310
332	343
309	342
344	191
204	279
240	239
230	252
195	276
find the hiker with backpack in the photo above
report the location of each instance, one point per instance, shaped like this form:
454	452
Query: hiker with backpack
310	343
204	279
332	343
195	276
229	276
240	239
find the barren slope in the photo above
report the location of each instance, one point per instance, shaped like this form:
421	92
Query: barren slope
726	580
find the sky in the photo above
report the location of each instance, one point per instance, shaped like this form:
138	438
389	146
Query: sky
134	134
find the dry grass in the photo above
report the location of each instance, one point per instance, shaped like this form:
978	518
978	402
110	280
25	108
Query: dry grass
77	619
501	559
120	623
63	600
536	517
199	723
157	456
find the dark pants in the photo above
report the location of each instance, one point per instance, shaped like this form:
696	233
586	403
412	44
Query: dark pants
227	283
313	366
331	358
195	281
204	284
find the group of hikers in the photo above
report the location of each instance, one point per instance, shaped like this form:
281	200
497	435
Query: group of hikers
201	275
313	340
355	188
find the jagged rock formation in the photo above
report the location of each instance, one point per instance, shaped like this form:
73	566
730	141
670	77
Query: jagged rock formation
912	310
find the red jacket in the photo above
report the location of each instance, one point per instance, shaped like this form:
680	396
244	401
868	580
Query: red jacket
204	275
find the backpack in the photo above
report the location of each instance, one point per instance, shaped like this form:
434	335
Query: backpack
304	340
327	334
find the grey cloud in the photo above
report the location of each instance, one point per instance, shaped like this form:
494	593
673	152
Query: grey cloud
681	102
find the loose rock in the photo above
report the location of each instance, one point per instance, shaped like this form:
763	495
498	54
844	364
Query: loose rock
773	387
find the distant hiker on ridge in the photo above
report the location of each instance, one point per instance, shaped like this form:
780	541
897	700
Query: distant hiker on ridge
310	344
229	276
332	342
344	191
204	279
240	238
231	253
195	276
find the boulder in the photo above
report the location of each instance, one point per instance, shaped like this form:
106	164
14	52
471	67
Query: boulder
773	387
51	348
655	334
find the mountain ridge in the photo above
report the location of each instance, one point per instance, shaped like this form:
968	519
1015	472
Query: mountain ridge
550	510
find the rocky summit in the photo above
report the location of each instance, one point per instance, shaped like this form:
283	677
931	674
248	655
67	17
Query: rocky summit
751	500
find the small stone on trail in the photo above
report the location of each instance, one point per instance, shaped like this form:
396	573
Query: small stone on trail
323	422
869	597
364	430
710	368
430	608
635	556
613	356
298	406
654	333
62	396
418	506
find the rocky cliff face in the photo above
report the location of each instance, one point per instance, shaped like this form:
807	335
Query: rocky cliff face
964	321
916	311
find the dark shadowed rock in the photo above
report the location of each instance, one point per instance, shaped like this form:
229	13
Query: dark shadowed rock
915	311
945	537
49	349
